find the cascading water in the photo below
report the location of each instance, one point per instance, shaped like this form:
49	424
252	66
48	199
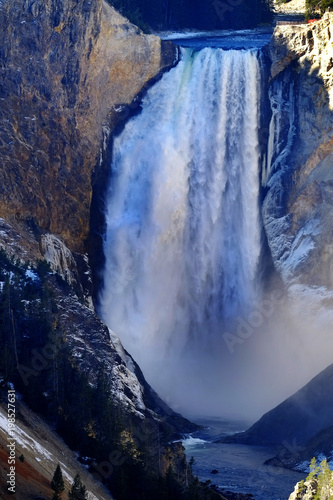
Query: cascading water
183	228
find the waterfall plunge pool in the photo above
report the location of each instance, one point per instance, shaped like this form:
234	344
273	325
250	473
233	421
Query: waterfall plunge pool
240	468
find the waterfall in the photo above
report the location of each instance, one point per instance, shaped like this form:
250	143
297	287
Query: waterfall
183	236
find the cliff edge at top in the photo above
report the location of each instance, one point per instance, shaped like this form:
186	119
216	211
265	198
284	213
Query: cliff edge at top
290	7
65	67
298	208
305	41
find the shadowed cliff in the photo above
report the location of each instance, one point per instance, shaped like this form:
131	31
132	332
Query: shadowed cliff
297	419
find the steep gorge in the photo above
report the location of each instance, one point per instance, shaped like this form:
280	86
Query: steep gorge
68	71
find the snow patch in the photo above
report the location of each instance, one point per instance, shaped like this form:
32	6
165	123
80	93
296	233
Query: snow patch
126	379
3	422
130	364
65	474
305	465
290	252
24	440
59	257
91	496
29	274
118	345
129	390
279	242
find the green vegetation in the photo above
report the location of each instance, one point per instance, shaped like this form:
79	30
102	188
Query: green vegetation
301	487
78	490
57	483
36	358
197	14
323	477
315	8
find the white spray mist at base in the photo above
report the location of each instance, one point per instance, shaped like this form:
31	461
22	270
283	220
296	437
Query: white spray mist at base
266	359
183	238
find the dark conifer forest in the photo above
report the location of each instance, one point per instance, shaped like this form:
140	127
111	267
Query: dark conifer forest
36	358
196	14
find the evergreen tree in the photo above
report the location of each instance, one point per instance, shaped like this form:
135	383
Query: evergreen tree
57	483
78	490
314	470
314	7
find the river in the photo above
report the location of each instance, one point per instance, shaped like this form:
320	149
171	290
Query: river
240	468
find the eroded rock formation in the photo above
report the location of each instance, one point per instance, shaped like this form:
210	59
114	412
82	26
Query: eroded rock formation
298	207
66	67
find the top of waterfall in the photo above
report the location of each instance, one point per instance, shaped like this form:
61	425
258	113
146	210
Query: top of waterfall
225	39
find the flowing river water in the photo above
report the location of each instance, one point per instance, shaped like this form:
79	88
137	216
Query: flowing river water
240	468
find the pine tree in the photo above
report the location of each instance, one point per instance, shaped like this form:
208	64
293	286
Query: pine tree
57	483
78	490
314	469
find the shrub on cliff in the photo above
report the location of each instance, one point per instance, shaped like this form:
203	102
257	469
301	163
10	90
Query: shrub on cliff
318	485
314	7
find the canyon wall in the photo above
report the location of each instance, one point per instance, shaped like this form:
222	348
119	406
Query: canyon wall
67	68
298	175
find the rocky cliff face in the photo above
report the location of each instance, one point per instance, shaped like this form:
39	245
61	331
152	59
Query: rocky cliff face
41	448
298	205
291	7
51	323
66	67
314	489
93	345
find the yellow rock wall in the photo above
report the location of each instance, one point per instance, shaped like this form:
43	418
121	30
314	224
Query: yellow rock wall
65	66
